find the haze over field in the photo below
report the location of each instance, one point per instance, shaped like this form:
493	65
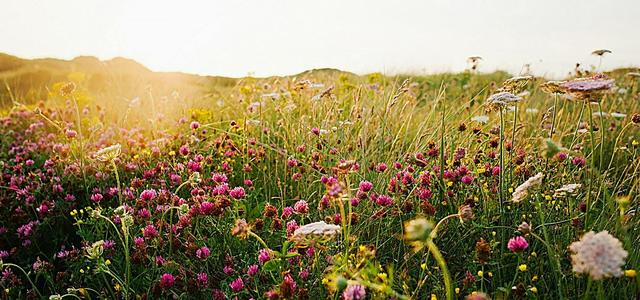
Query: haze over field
235	38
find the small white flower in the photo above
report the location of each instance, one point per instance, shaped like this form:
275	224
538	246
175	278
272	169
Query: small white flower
532	110
501	99
600	255
567	189
522	190
109	153
480	119
271	95
317	231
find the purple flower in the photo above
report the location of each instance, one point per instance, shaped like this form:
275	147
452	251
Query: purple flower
96	197
264	255
304	274
219	178
517	244
287	212
202	278
227	270
203	253
150	231
354	292
184	150
467	179
237	285
237	193
384	200
148	195
252	270
365	186
167	280
109	244
301	207
292	226
596	83
138	241
144	213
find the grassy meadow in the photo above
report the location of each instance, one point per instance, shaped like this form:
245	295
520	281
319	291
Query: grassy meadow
121	183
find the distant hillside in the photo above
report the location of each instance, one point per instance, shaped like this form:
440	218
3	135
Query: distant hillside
28	80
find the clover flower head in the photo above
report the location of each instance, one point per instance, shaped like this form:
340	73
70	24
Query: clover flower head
418	229
354	292
517	244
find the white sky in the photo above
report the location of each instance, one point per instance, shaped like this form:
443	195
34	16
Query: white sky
279	37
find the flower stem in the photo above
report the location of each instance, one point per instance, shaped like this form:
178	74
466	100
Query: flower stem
26	275
443	266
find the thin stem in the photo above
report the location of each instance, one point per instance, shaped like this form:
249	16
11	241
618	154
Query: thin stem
257	237
26	275
443	266
115	170
602	133
553	259
593	166
81	141
513	142
434	232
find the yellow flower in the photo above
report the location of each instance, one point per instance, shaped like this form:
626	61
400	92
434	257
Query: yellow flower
480	274
433	297
490	274
534	254
82	271
172	153
117	287
481	170
450	183
382	276
457	290
547	197
325	281
362	248
423	266
534	278
630	273
522	268
534	290
107	262
634	142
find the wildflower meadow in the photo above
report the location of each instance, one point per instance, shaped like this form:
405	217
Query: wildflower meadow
323	185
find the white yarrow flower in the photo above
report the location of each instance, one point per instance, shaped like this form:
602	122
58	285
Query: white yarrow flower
109	153
600	255
317	232
480	119
567	189
522	190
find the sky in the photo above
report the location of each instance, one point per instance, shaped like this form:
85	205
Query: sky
281	37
